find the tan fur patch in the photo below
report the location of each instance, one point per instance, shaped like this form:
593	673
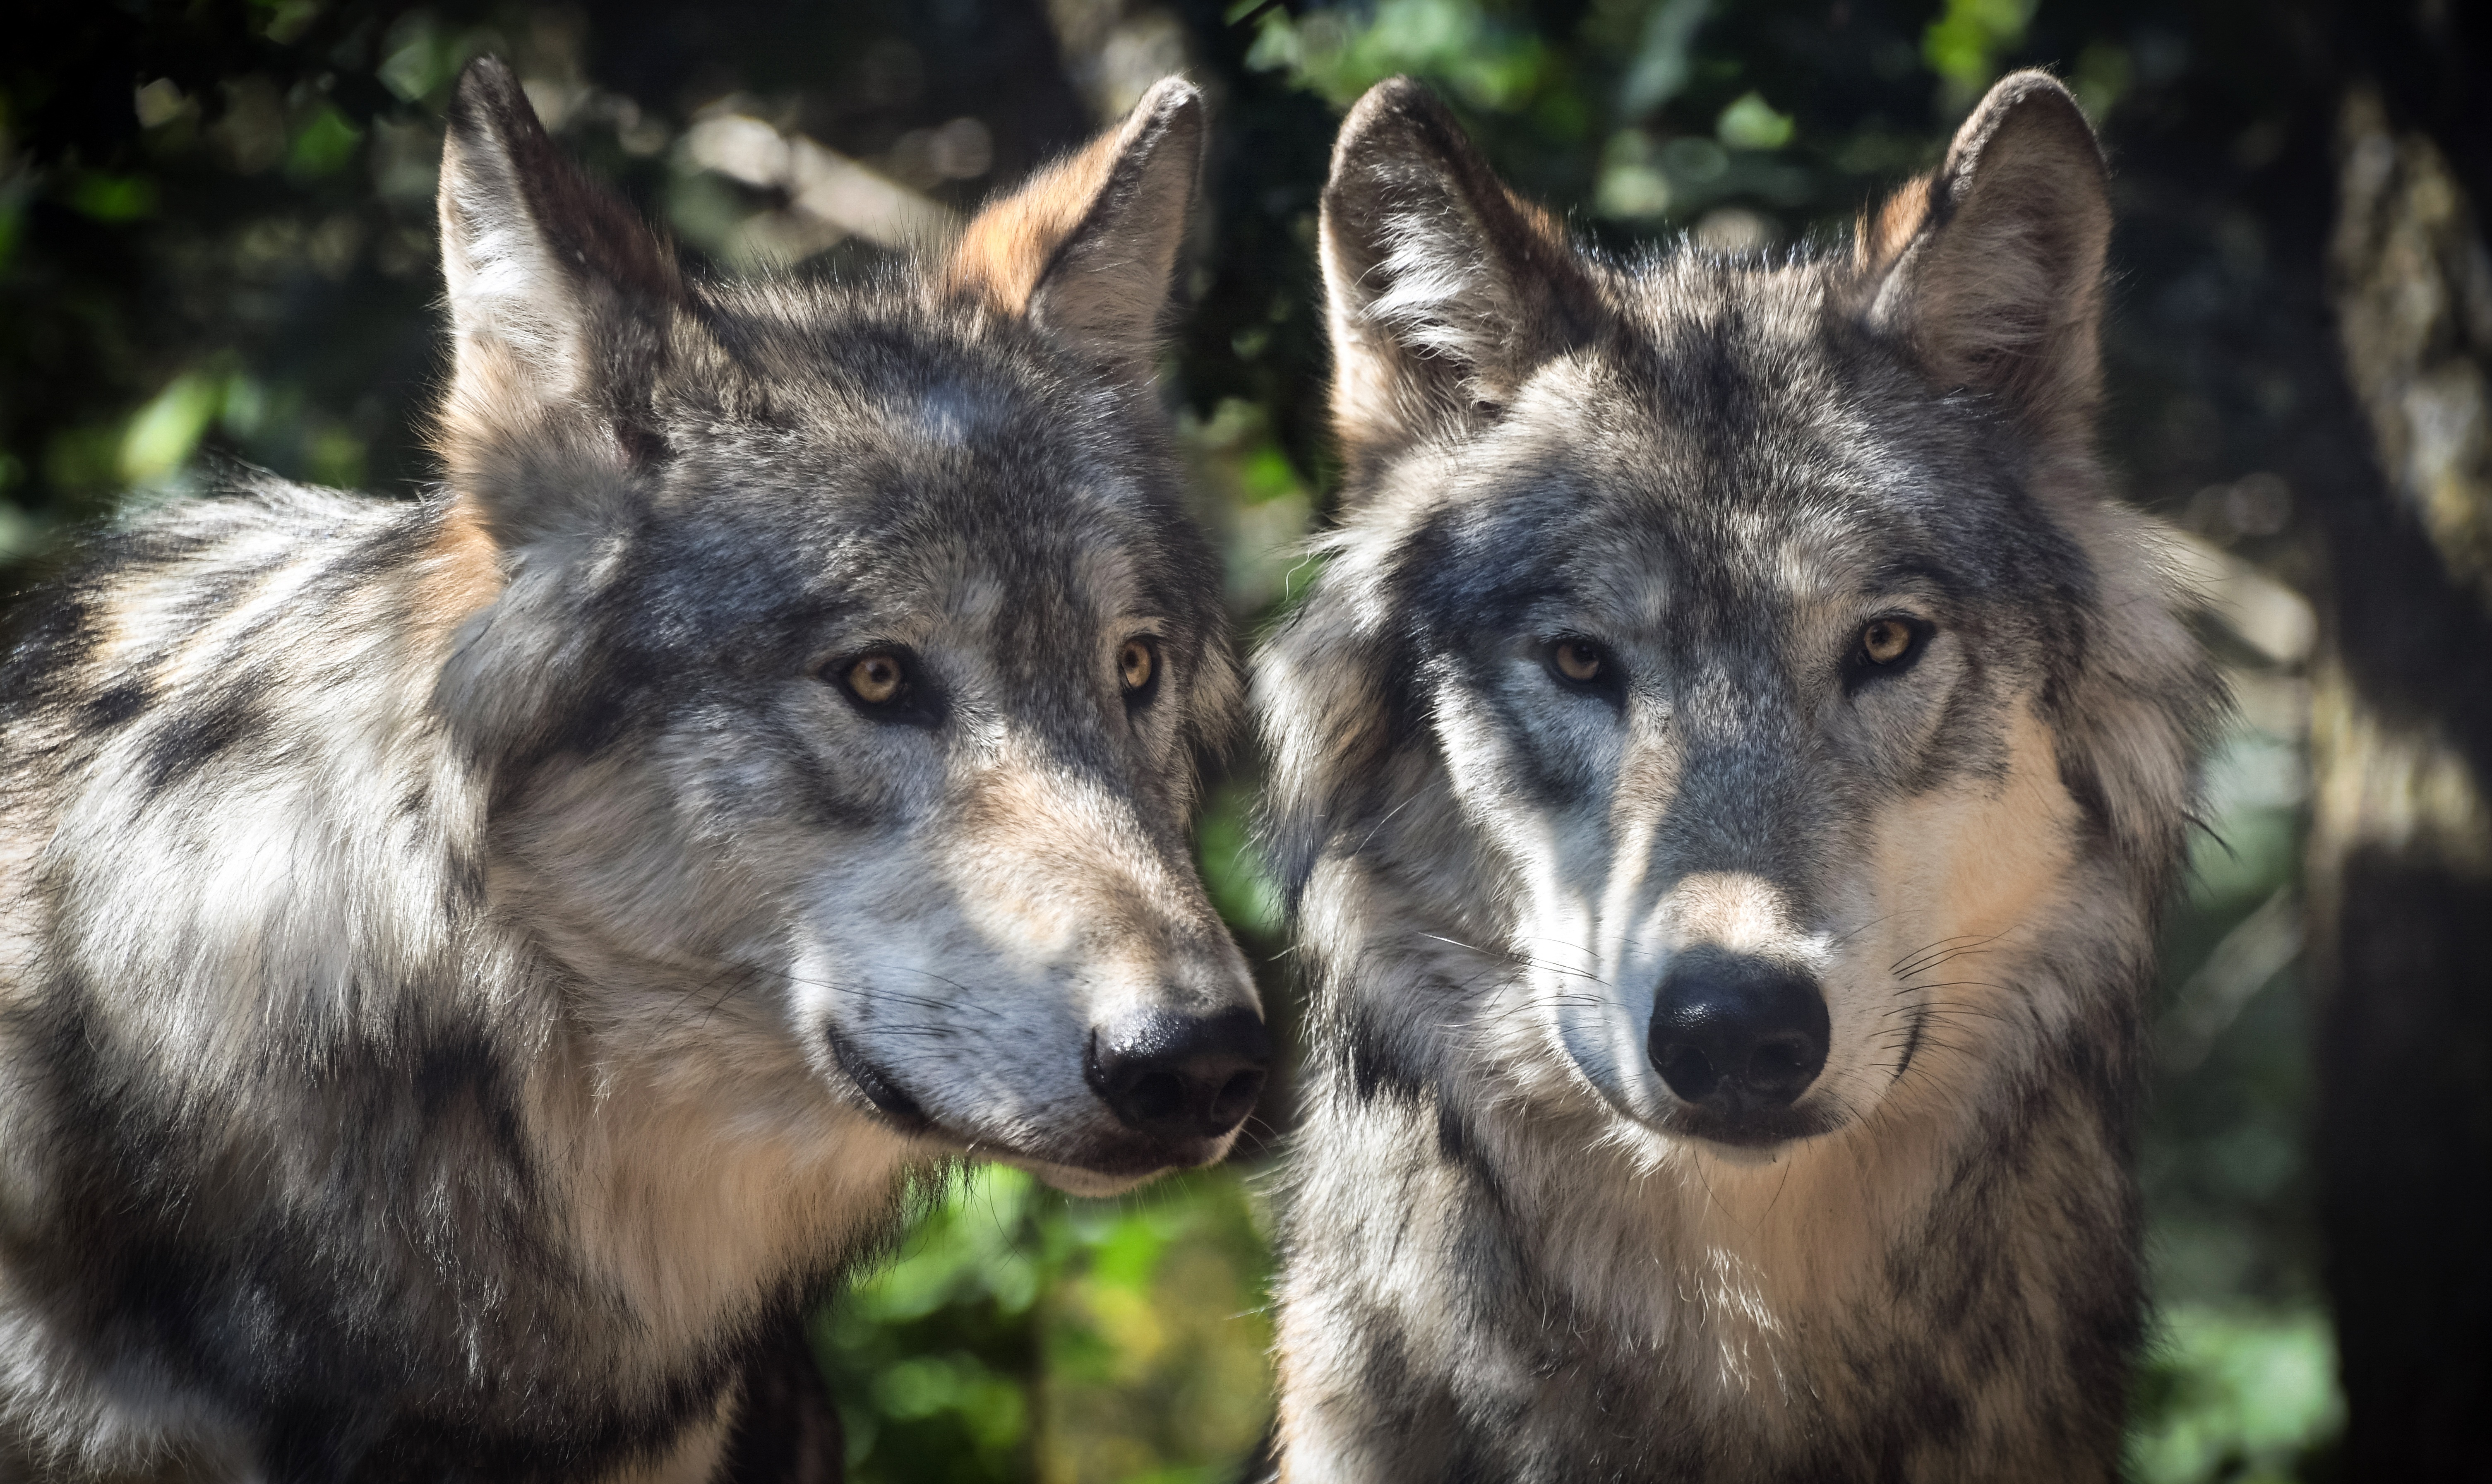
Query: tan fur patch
1052	863
1879	239
460	573
1981	861
1008	247
1733	909
496	397
1087	250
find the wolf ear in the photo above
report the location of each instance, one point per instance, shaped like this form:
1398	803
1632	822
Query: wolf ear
1991	270
1444	289
560	297
1087	249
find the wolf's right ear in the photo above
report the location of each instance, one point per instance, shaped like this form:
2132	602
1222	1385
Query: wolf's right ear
1443	289
1991	270
1087	250
560	299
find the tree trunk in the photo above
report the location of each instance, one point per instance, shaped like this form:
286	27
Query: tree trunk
2400	864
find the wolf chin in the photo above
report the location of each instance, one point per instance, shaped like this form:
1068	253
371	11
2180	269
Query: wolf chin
1726	776
473	968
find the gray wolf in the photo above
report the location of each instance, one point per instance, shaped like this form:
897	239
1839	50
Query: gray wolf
473	968
1724	777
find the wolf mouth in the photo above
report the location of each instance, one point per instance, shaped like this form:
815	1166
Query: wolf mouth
887	1096
909	1117
1761	1130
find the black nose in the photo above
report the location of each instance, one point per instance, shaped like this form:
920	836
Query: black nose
1736	1035
1176	1076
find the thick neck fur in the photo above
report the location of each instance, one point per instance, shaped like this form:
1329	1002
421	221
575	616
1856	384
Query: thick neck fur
1945	1290
230	987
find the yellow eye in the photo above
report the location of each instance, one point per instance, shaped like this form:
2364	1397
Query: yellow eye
1579	660
1136	663
1885	640
877	678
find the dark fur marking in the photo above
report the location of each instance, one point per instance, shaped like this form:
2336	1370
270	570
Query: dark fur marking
190	739
111	708
786	1427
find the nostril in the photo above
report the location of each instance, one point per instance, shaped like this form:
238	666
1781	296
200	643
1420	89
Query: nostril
1775	1059
1689	1073
1236	1097
1155	1095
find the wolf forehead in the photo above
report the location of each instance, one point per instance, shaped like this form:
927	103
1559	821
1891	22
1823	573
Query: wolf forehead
821	456
1731	444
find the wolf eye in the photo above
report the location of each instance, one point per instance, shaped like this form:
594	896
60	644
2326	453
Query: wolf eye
1580	664
887	684
1578	660
1888	645
878	679
1136	664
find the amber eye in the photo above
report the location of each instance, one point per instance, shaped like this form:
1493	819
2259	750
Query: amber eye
1885	640
877	678
1579	660
1136	664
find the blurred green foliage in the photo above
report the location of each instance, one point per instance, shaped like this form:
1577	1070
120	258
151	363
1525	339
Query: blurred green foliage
216	242
1023	1334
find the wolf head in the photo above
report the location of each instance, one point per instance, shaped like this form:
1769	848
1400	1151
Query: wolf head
1726	671
849	656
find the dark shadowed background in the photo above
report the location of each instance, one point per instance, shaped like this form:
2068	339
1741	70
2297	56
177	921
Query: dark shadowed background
217	243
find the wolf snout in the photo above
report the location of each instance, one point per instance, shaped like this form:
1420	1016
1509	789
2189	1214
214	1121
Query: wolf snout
1178	1077
1738	1035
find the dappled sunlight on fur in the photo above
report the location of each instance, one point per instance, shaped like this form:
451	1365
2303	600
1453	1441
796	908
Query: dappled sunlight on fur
475	970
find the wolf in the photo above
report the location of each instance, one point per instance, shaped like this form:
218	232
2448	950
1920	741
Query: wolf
1724	777
473	969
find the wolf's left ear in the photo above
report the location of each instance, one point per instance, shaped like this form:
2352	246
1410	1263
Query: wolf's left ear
560	298
1991	270
1089	249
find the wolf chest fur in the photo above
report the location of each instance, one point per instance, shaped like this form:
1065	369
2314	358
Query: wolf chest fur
1726	776
473	969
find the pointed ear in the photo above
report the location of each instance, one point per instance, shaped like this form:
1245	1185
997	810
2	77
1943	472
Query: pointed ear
1444	290
1088	248
1991	270
560	300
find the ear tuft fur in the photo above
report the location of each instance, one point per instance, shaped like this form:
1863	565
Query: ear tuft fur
1444	289
560	299
1991	270
1087	250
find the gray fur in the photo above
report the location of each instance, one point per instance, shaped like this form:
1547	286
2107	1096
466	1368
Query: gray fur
471	970
1511	1251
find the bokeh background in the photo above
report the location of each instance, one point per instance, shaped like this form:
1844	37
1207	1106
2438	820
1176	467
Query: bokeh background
216	244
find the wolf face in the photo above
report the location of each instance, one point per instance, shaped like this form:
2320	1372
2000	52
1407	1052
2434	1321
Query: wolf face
887	646
1746	660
